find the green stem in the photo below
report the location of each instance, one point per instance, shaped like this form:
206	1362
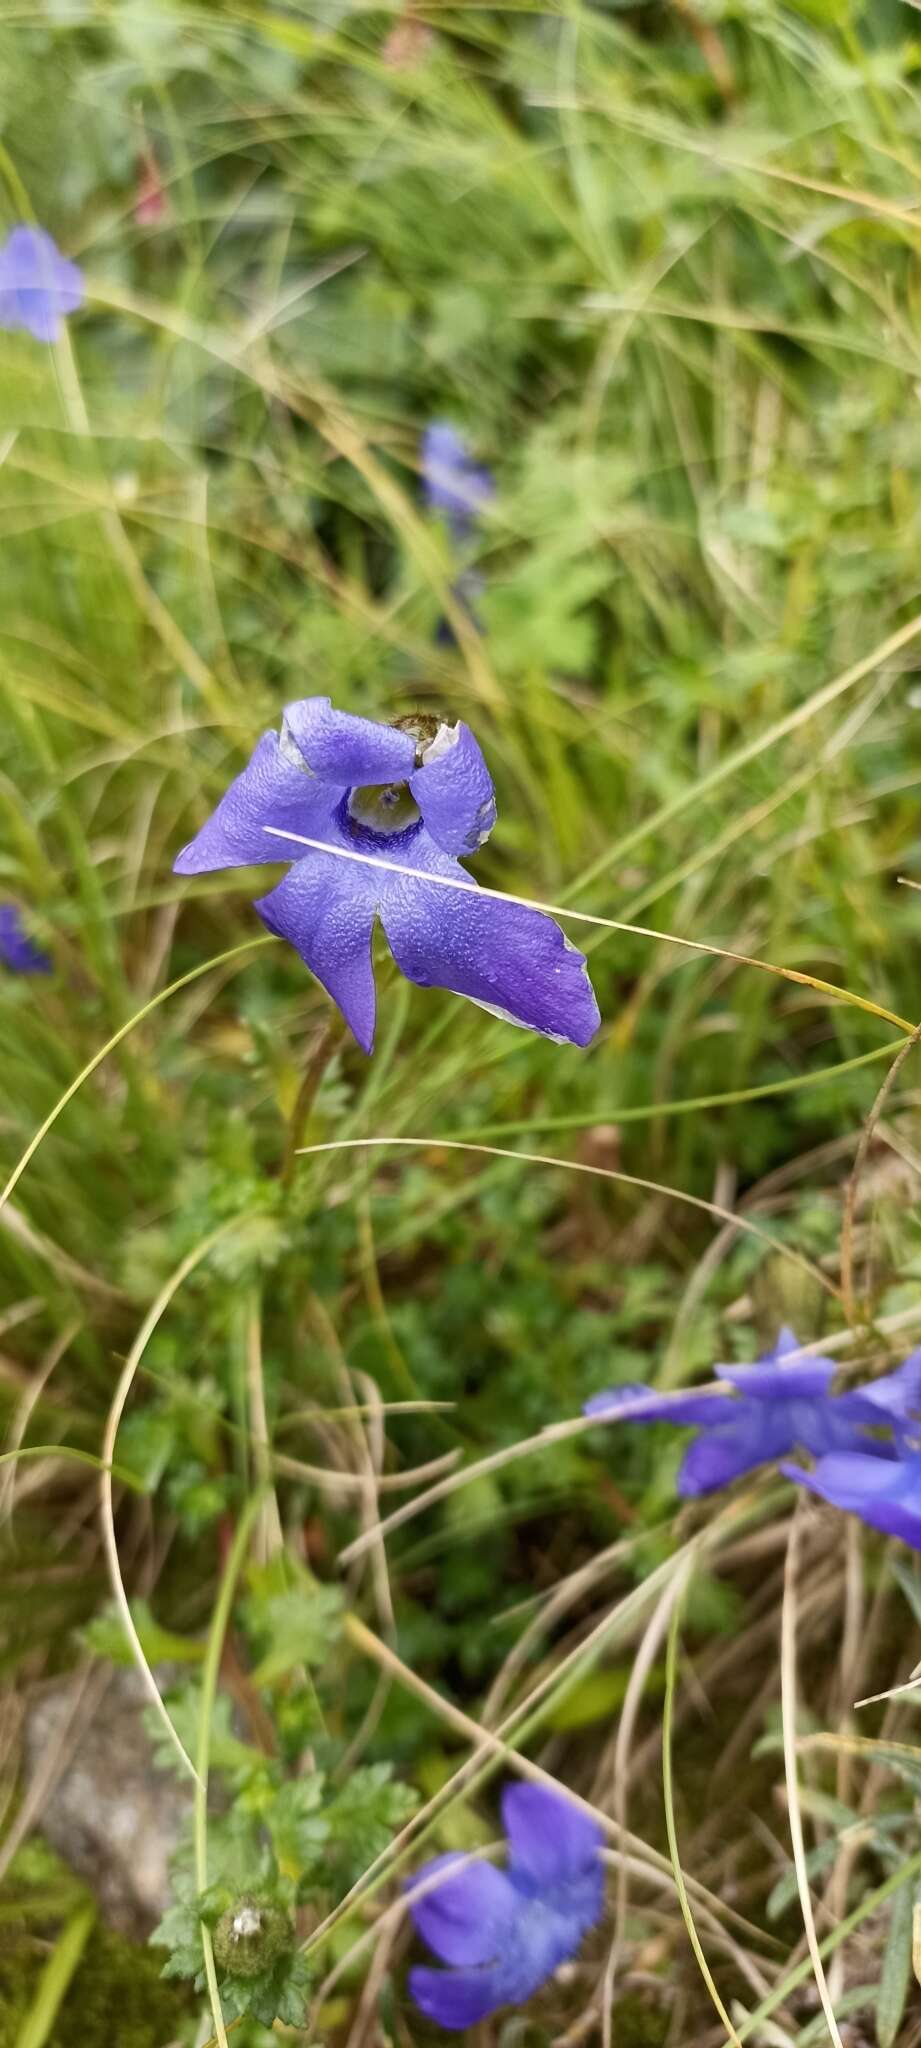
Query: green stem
306	1095
216	1634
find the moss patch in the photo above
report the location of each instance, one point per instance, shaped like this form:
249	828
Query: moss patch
116	1992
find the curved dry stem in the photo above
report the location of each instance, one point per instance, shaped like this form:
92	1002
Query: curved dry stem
194	974
671	1672
155	1312
216	1634
610	924
433	1142
860	1160
788	1710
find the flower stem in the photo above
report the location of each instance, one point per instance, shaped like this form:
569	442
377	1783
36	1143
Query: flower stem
304	1100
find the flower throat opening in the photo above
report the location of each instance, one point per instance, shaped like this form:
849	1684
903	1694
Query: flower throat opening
390	807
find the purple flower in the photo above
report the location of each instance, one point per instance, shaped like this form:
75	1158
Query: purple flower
884	1492
505	1932
767	1410
454	484
417	793
17	951
37	284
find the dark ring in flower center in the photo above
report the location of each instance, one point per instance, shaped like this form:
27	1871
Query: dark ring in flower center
380	816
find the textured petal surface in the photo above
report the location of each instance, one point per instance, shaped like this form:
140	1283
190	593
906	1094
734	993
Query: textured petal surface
325	909
456	1998
345	750
454	791
513	961
269	792
468	1917
551	1840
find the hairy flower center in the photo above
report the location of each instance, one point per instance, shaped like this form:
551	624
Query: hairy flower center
383	807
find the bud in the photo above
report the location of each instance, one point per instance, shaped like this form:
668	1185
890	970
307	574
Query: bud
423	727
251	1936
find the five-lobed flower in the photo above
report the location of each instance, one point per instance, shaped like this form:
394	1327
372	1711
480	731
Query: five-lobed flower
505	1932
757	1413
416	794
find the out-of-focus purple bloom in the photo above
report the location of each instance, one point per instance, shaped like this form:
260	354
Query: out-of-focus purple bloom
504	1932
767	1410
454	484
884	1492
38	285
417	793
466	590
17	950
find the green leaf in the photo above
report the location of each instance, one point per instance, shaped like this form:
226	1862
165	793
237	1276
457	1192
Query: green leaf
278	1993
299	1831
365	1815
52	1985
895	1974
785	1890
598	1696
294	1625
106	1637
227	1752
180	1932
910	1584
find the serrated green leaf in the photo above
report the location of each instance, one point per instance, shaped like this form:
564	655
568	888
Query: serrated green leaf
298	1830
227	1752
294	1627
106	1637
365	1815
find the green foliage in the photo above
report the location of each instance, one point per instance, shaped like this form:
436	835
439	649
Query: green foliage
289	1623
278	1842
660	265
115	1990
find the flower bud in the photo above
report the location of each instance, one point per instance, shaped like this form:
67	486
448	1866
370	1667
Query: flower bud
251	1935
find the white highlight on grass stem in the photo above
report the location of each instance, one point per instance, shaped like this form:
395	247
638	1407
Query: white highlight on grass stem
671	1677
133	1360
788	1712
611	924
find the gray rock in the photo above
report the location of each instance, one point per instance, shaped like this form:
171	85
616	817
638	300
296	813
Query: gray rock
107	1811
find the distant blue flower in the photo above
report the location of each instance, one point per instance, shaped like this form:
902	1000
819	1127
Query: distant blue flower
37	284
766	1411
884	1492
506	1932
17	950
418	793
454	484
